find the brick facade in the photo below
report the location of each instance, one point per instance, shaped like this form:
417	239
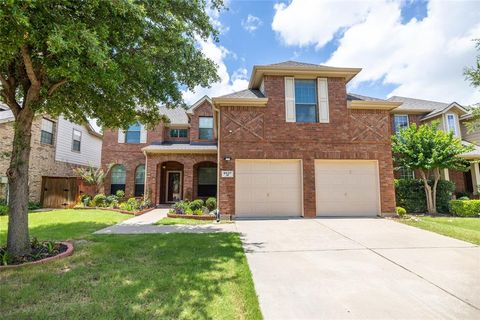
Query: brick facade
263	133
42	159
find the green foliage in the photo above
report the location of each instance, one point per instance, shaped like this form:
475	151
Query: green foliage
188	211
120	194
473	73
211	204
198	212
180	207
196	204
109	57
92	175
410	194
112	201
34	205
465	208
400	211
100	200
464	198
132	204
3	209
427	148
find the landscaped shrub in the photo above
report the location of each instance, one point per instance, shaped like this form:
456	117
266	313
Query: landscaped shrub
211	204
196	204
410	194
34	205
400	211
465	208
100	200
120	194
461	194
198	212
112	201
3	209
463	198
180	207
133	204
188	211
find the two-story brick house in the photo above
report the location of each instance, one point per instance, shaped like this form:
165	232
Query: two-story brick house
293	144
451	117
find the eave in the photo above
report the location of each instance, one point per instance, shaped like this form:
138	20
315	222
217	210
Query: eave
372	105
242	102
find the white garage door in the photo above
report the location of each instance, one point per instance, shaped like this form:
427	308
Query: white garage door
268	188
347	188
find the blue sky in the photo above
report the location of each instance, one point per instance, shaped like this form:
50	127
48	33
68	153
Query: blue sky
411	48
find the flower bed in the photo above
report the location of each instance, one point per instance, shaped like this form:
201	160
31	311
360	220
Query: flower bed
116	202
42	252
192	216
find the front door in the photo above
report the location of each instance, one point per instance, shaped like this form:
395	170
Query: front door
174	186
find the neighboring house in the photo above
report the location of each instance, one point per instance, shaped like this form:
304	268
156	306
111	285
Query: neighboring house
292	144
57	146
451	117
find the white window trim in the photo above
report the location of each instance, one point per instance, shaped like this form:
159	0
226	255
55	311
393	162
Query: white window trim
400	115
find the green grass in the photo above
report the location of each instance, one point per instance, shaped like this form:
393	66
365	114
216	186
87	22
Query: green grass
65	224
467	229
157	276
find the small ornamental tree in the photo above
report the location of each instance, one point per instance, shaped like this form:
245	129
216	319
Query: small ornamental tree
472	74
93	176
114	61
428	150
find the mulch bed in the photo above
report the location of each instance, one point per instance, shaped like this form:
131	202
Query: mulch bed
132	213
191	216
41	253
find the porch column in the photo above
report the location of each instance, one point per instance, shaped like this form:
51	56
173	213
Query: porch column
445	175
188	181
474	170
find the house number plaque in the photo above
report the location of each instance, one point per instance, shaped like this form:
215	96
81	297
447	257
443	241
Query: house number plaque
227	174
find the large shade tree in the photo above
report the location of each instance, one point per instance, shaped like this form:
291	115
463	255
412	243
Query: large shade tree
428	150
114	61
472	74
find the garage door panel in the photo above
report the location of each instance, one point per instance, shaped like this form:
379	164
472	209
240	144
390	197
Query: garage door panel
346	188
267	188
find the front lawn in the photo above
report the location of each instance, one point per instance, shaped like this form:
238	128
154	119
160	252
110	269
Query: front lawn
65	224
467	229
156	276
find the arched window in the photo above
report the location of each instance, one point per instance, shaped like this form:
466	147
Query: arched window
140	180
118	178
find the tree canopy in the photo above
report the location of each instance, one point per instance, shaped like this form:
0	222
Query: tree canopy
108	60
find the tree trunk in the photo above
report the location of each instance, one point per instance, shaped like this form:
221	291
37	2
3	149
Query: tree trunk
18	240
428	194
435	183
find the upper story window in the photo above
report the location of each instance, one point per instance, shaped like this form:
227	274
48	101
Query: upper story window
132	135
400	122
178	133
452	124
306	101
76	140
46	136
205	131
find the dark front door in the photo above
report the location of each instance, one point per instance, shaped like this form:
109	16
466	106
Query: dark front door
174	186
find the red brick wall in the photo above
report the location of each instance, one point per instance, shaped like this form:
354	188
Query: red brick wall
262	133
458	178
203	110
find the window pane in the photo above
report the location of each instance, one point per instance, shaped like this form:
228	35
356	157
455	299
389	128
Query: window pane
47	125
174	133
133	133
206	134
451	123
305	92
118	174
400	122
207	176
46	137
182	133
140	174
306	113
76	145
77	135
206	122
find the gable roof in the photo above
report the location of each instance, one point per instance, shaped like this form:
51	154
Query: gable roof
354	96
417	105
199	103
176	115
357	101
295	68
247	97
247	93
438	112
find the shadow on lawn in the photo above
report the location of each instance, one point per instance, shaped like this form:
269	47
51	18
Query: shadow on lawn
139	276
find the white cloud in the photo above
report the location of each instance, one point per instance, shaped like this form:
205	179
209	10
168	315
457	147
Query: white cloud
227	84
424	58
252	23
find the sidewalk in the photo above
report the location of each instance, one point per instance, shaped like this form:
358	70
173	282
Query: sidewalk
145	224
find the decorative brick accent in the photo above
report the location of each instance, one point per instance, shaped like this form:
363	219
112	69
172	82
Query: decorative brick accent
351	134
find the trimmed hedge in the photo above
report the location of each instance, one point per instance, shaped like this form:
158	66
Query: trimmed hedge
465	208
410	194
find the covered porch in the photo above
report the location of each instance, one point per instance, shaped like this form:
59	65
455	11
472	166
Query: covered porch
466	182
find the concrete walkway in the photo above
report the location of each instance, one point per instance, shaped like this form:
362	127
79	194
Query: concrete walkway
360	269
145	224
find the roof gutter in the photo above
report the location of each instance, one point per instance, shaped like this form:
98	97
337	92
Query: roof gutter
372	105
243	102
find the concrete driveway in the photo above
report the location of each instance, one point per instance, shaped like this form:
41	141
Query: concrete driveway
360	269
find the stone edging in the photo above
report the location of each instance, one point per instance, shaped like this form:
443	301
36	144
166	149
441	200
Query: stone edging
132	213
191	216
67	253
